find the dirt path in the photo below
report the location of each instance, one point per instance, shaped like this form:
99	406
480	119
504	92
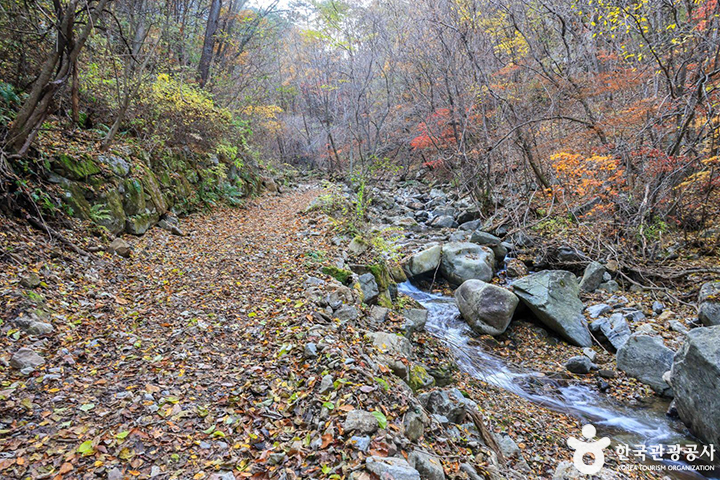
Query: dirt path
169	363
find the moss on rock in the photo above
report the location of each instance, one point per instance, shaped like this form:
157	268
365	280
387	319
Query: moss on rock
339	274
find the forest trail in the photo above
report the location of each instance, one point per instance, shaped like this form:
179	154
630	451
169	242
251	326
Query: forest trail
170	362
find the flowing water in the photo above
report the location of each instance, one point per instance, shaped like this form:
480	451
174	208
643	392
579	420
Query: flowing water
623	424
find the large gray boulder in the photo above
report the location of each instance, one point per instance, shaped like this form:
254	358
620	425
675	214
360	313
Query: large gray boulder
552	295
592	277
463	261
647	359
491	241
423	262
695	378
487	308
709	301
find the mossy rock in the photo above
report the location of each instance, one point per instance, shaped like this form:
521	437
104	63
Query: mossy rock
397	273
141	223
75	168
339	274
382	275
133	197
419	378
74	197
114	218
444	374
152	189
385	300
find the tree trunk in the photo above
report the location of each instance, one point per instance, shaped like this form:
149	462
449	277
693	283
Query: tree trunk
209	44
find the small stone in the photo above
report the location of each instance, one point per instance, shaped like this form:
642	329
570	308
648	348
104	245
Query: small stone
360	421
579	364
677	326
590	353
26	358
361	443
378	314
657	307
596	310
120	247
310	351
611	287
327	384
30	280
347	313
602	385
607	373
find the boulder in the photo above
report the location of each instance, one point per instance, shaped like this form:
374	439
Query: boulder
579	364
368	288
491	241
26	358
450	403
487	308
360	421
391	344
695	378
419	378
429	467
443	221
592	277
596	310
647	359
347	313
463	261
394	468
552	295
32	325
423	262
415	320
614	330
414	424
709	301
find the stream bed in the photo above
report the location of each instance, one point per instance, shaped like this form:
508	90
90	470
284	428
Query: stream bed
623	424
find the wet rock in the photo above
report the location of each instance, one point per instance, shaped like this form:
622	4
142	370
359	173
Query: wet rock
614	330
552	296
394	468
463	261
709	301
593	277
647	359
579	364
391	343
360	421
695	377
26	358
120	247
369	288
423	262
487	308
428	467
